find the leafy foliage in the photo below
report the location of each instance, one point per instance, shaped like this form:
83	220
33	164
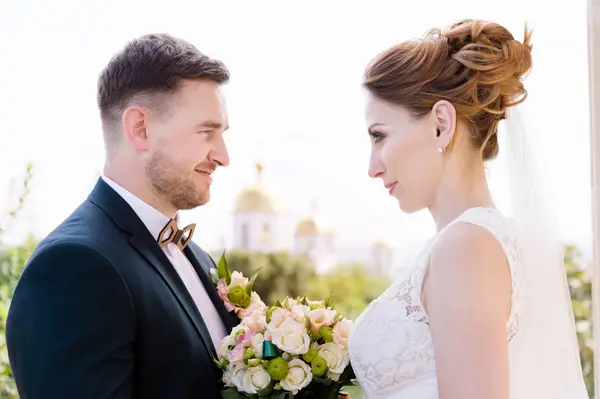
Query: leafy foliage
12	261
281	275
580	285
351	286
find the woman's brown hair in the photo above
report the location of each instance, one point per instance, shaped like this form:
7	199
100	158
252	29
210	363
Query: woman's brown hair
477	66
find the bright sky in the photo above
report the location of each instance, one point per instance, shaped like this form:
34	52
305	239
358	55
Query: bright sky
295	101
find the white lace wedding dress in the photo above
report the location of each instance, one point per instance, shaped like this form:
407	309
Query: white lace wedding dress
391	348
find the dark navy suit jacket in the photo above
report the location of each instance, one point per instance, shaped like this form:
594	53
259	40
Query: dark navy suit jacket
100	312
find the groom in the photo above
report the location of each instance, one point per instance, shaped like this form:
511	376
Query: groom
117	301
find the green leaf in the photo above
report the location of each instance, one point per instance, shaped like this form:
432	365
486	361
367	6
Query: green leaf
231	393
323	381
339	316
282	395
223	270
252	280
221	363
267	390
328	301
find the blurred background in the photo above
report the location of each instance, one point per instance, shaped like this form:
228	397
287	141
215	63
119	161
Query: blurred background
296	199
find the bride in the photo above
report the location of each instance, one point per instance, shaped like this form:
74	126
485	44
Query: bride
484	313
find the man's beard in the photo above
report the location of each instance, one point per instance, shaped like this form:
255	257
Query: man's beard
174	184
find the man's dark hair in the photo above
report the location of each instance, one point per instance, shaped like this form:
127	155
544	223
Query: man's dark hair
149	70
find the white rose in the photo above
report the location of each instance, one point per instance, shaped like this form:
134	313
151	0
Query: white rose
341	332
225	344
278	316
257	345
291	337
299	312
298	376
238	279
255	379
256	301
336	357
238	373
228	375
289	302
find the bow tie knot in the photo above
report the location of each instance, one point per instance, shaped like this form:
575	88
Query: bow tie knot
172	234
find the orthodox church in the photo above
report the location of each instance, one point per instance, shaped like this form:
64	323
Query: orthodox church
259	226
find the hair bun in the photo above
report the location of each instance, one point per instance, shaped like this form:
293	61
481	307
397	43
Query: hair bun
500	61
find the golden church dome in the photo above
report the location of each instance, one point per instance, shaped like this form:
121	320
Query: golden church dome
381	243
256	198
312	225
307	227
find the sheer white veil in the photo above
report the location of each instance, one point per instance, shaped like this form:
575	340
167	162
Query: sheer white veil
544	356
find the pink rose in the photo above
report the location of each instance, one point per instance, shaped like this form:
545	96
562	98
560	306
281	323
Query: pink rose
223	290
321	317
237	353
256	304
341	332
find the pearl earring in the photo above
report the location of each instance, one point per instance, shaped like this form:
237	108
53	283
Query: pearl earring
441	149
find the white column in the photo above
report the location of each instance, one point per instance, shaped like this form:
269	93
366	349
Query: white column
594	76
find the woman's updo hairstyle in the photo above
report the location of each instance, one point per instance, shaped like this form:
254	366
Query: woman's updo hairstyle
477	66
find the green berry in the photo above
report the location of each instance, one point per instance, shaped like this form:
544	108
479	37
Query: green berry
318	366
249	354
236	295
326	333
278	369
310	355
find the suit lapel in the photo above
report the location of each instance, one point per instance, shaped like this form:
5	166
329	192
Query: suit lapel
157	258
229	319
141	240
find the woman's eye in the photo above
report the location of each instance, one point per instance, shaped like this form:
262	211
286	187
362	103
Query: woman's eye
377	137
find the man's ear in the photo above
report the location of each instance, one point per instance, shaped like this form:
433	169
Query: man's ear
445	120
135	121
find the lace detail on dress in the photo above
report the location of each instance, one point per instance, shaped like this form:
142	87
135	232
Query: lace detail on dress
391	347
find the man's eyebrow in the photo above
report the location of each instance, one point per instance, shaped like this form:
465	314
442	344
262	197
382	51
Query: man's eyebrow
212	125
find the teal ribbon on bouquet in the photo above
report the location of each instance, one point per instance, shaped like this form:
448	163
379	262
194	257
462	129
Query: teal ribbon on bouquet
269	350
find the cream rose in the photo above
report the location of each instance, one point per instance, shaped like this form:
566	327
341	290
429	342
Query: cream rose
291	337
299	312
341	332
238	280
298	376
336	357
255	379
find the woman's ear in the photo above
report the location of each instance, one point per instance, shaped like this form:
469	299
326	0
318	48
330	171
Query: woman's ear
445	120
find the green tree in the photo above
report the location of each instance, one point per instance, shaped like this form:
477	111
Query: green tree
580	286
281	274
12	261
352	288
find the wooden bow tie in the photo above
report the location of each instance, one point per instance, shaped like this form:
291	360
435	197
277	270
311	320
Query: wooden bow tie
172	234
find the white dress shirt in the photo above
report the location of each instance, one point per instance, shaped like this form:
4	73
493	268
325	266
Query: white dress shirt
155	221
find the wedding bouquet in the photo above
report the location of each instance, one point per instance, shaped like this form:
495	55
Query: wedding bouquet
297	348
